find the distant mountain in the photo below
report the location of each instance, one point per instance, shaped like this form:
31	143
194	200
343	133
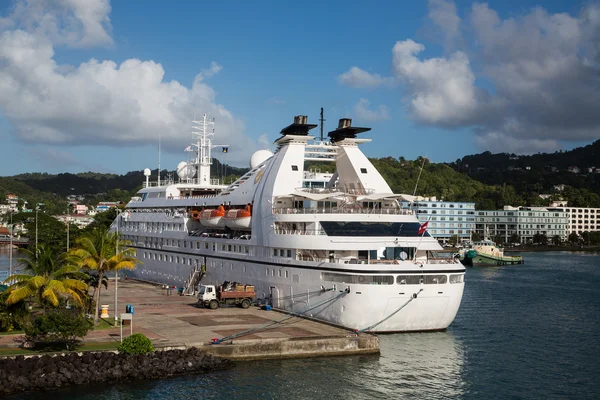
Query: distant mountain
489	180
93	183
541	173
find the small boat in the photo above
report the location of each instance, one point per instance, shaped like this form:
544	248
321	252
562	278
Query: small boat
487	253
212	217
238	218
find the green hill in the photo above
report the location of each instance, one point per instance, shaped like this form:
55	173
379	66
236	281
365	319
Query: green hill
544	173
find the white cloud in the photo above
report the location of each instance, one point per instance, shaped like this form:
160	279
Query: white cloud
362	111
535	82
442	89
100	102
358	78
210	72
443	14
500	142
263	141
75	23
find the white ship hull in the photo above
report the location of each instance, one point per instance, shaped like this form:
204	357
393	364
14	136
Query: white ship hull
300	288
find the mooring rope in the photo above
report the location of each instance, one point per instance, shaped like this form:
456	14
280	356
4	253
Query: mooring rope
368	328
272	323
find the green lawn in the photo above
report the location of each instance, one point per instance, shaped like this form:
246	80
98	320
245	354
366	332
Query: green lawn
11	333
15	351
104	323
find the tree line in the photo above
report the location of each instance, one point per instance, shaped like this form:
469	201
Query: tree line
50	297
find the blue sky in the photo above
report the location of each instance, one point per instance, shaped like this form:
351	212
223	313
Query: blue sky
431	78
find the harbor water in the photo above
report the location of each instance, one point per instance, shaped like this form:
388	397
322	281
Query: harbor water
529	331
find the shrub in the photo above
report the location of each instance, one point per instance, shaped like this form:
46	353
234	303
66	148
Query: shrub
64	326
136	344
14	316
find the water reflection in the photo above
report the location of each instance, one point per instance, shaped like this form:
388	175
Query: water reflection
423	365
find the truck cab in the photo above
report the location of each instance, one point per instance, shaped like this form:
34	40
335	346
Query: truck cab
206	293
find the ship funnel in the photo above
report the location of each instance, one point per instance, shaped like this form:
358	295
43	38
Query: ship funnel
345	130
299	127
300	119
345	123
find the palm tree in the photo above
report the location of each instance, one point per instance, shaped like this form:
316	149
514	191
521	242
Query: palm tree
47	278
98	252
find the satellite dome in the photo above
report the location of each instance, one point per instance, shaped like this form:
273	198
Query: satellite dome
147	172
185	170
260	157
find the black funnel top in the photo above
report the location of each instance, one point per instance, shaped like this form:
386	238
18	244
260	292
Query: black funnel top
299	127
345	130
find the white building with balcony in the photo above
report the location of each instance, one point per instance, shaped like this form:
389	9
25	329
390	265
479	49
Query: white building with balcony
523	221
581	219
447	219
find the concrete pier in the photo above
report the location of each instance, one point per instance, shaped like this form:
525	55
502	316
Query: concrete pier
177	322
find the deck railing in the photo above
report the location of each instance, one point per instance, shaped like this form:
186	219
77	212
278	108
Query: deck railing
343	210
309	232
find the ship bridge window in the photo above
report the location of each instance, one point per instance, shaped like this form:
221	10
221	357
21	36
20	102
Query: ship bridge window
435	279
294	168
399	253
456	278
358	279
363	170
407	229
409	279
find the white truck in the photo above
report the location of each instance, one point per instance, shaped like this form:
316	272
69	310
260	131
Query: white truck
212	297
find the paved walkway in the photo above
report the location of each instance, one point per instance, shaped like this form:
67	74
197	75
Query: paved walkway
172	320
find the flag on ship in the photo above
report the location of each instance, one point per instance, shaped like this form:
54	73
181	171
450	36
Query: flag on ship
225	149
423	228
189	148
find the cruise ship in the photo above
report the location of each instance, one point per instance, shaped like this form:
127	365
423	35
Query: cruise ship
339	250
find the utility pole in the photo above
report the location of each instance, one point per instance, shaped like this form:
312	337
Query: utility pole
11	246
36	234
116	270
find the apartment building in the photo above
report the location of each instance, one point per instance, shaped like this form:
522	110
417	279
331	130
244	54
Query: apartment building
523	221
447	219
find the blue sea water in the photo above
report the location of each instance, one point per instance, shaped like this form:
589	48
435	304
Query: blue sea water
529	331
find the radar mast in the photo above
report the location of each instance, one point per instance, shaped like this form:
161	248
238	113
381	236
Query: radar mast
204	131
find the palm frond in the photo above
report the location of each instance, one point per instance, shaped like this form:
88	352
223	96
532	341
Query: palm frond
19	294
50	295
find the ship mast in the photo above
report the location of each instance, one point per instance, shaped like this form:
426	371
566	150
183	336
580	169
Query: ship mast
203	131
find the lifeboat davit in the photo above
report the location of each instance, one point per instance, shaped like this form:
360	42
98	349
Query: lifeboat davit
211	217
238	218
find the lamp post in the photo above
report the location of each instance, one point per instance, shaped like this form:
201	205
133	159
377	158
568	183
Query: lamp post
116	270
36	234
68	228
11	246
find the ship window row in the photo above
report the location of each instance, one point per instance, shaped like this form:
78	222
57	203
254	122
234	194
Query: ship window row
280	273
282	253
358	279
389	280
170	258
135	226
421	279
208	245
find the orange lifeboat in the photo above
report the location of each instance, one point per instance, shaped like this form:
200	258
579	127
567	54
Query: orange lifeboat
239	218
211	217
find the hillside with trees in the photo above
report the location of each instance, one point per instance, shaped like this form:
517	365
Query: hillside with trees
569	175
489	180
